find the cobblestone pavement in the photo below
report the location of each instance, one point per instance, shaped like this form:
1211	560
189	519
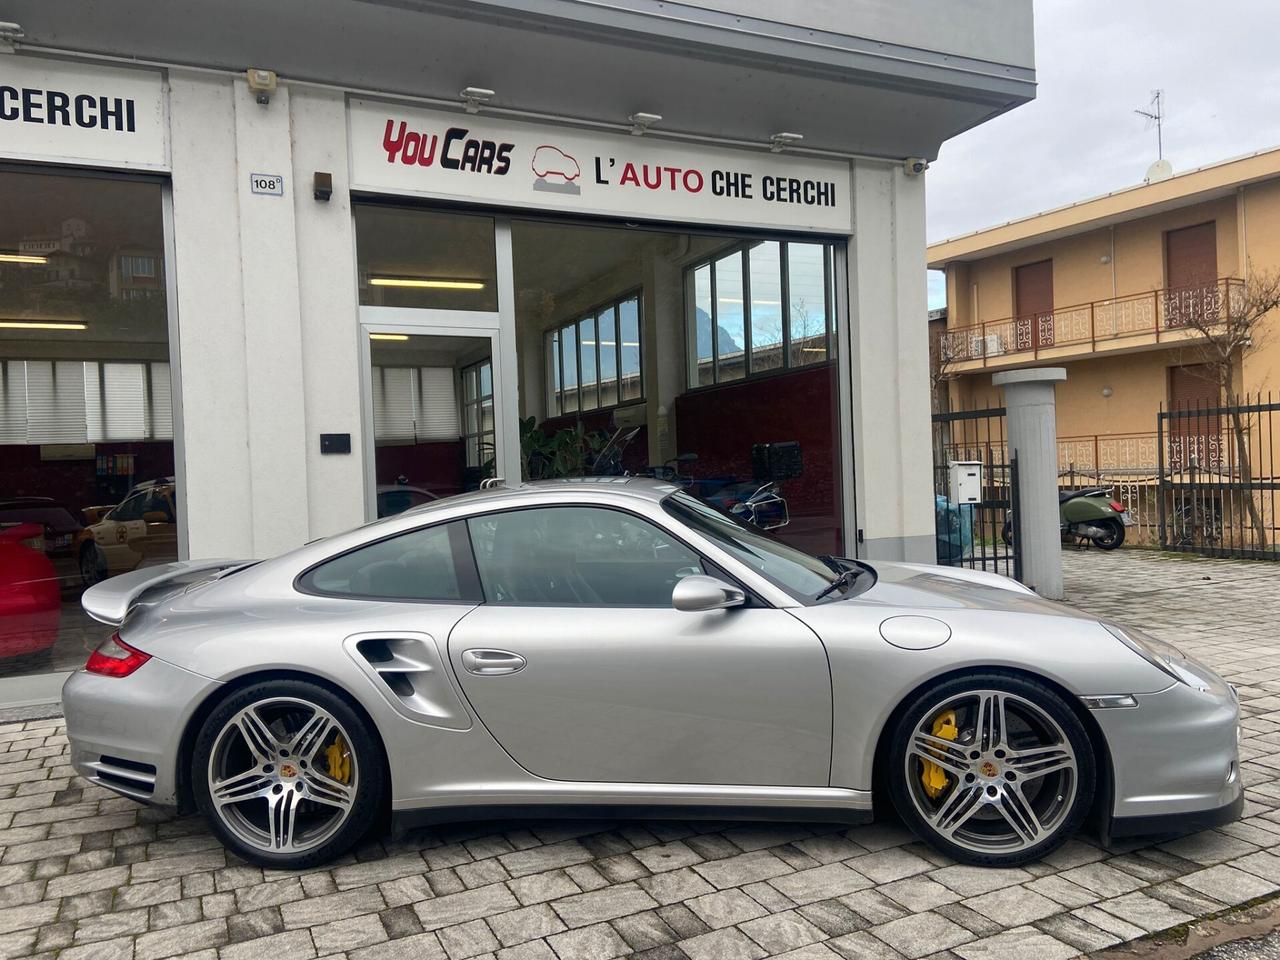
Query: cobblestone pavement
85	874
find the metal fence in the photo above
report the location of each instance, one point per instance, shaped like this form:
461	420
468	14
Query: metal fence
981	536
1216	493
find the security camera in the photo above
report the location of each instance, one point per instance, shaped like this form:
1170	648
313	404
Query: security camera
914	166
262	83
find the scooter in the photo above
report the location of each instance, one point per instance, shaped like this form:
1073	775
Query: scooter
1087	515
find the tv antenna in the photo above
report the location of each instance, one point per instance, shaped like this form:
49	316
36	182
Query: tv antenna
1155	114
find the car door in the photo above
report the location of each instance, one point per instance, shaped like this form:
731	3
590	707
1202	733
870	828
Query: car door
580	667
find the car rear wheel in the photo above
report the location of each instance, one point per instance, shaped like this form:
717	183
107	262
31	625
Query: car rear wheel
287	774
991	769
93	565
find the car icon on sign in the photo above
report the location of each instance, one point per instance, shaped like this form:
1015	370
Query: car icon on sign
549	161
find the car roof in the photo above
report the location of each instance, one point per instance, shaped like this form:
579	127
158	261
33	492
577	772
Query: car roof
639	487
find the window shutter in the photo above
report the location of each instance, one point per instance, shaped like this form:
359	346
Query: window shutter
55	402
437	405
13	401
124	390
393	397
161	402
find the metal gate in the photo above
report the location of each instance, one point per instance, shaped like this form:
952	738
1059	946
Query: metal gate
1217	479
984	535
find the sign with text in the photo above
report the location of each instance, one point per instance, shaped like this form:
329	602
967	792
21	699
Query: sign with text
82	113
271	184
487	159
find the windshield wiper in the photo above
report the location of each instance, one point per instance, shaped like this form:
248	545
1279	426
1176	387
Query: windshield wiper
844	580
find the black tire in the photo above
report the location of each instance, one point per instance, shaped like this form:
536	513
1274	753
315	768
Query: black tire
370	785
1069	815
1006	534
1114	538
93	565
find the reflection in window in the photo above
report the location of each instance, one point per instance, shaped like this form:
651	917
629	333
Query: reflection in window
477	405
86	423
595	361
765	306
414	404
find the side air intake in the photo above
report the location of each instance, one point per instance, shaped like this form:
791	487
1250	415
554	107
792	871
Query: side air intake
410	672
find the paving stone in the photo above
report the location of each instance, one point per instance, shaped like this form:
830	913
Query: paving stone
1077	932
175	941
465	940
1103	879
121	949
742	869
833	918
862	945
644	931
376	871
597	942
583	909
727	944
481	873
1063	891
1228	884
1143	911
254	924
540	859
534	950
335	906
290	945
921	934
725	908
892	863
400	922
781	932
586	876
26	916
675	886
109	926
527	923
1013	906
972	881
75	883
874	906
821	883
682	920
1016	944
461	907
423	946
919	893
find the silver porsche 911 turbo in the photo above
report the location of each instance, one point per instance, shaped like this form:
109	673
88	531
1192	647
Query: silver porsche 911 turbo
620	646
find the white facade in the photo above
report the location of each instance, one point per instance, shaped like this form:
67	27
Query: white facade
266	336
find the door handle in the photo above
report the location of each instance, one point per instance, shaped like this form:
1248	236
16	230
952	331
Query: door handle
492	663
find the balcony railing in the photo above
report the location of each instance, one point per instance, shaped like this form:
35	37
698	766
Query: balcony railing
1156	316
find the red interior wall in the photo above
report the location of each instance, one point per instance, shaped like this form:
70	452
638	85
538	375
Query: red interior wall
720	424
436	466
76	482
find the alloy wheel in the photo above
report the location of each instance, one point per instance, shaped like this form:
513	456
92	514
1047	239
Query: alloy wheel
282	775
991	772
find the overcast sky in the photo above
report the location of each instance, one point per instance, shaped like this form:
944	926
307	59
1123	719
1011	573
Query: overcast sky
1096	62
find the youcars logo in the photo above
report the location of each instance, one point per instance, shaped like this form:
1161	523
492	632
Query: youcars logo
549	161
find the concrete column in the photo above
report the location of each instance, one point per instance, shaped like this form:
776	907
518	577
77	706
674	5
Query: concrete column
889	358
1033	438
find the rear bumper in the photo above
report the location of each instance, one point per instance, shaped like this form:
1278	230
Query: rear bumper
138	719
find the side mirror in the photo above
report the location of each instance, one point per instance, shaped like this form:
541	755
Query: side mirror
698	593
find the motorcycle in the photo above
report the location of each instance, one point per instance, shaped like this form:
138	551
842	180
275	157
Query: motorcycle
1087	516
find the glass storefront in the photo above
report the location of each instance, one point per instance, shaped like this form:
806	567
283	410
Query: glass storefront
87	487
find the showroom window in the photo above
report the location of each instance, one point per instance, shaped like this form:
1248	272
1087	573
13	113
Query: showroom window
408	257
758	308
594	361
87	487
477	413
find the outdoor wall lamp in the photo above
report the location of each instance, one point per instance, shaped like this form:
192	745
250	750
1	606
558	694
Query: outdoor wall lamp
640	122
780	141
1107	391
262	83
10	34
475	97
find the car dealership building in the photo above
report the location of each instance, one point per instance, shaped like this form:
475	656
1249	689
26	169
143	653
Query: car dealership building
270	271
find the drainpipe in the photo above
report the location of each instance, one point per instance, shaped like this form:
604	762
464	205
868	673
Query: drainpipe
1029	402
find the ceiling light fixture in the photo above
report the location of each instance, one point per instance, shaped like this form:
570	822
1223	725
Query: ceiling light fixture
780	141
475	97
22	258
388	336
423	282
640	122
42	325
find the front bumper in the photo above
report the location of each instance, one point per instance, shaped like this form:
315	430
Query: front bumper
126	732
1174	759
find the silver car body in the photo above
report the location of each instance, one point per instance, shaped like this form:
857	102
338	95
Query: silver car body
778	705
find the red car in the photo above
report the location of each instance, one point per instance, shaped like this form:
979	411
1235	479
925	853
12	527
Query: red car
30	600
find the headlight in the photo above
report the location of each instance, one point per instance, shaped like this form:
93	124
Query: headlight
1163	656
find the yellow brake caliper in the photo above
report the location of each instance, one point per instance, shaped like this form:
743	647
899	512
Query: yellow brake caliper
339	757
933	777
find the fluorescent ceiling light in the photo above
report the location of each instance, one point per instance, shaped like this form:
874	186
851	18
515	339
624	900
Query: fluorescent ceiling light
22	258
42	325
420	282
388	336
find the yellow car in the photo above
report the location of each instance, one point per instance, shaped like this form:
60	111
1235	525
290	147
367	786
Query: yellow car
141	531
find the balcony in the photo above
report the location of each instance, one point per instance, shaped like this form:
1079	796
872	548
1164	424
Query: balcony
1145	321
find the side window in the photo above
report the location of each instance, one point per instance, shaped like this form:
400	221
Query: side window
131	509
418	565
577	556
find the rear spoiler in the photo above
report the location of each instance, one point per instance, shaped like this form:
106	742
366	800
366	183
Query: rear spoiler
109	601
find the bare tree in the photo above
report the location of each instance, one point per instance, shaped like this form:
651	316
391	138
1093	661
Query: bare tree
1231	322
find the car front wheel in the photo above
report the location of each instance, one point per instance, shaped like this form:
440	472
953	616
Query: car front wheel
287	774
991	769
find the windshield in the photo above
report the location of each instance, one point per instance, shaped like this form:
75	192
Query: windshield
795	571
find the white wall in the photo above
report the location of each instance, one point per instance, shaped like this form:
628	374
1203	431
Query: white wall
889	353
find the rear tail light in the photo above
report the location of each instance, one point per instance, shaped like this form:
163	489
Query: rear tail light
1117	506
115	658
34	543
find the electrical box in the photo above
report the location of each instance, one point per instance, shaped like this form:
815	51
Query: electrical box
966	481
